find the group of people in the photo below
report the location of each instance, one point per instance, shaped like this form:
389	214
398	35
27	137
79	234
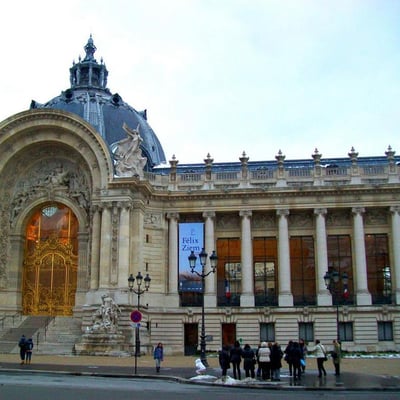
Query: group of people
268	359
25	349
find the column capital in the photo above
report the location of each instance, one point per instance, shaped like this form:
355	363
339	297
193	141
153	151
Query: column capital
209	214
358	210
245	213
173	215
95	208
124	205
106	205
320	211
395	210
282	212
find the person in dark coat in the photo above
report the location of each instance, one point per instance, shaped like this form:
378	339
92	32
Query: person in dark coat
276	361
249	361
22	348
288	356
28	349
224	358
297	355
236	359
304	351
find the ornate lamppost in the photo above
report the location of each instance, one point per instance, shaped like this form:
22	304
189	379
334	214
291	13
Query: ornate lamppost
332	279
213	263
136	316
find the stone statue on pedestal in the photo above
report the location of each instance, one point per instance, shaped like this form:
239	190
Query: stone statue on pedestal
105	318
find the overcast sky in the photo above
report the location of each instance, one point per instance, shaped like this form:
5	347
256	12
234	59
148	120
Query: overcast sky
222	76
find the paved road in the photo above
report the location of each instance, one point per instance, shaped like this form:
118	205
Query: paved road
43	386
356	373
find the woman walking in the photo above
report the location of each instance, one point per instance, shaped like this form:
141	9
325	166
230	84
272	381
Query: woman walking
158	356
336	354
320	354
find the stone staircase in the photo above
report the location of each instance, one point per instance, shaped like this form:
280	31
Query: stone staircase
61	335
27	326
51	335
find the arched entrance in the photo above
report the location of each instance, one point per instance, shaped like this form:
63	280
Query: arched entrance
50	261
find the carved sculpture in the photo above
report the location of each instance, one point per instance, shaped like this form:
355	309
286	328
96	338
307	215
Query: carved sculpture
128	159
105	318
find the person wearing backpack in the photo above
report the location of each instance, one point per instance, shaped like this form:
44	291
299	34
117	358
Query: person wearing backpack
22	348
28	350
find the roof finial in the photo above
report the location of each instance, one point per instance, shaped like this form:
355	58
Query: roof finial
90	49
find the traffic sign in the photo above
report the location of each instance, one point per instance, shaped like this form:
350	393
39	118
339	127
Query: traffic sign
136	316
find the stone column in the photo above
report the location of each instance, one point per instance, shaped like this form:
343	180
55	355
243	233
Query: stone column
95	256
123	244
11	276
285	294
395	271
136	262
210	297
247	295
323	296
362	294
83	273
105	246
173	253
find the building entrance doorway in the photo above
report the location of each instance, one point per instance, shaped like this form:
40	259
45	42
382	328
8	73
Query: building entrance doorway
191	339
50	262
228	334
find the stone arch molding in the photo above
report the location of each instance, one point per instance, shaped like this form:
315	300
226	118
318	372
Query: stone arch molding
47	156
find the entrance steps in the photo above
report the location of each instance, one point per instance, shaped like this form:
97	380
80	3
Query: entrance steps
51	335
27	326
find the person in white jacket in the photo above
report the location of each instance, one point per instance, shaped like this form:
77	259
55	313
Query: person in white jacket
264	361
320	355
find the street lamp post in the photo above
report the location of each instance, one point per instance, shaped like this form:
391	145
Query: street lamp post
139	292
332	279
213	263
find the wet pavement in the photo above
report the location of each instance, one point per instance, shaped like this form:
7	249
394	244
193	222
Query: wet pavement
357	374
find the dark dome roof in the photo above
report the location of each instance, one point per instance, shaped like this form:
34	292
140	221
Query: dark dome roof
90	98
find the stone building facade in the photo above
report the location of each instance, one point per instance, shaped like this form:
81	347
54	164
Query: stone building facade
87	199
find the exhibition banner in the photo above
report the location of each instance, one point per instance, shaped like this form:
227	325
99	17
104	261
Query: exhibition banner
191	238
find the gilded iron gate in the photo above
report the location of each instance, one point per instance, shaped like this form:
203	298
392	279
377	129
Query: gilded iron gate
50	264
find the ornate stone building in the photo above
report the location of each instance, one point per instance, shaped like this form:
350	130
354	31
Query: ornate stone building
87	199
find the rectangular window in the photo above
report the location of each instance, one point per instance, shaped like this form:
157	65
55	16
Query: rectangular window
229	272
346	331
378	268
306	331
302	265
340	260
265	271
267	332
385	331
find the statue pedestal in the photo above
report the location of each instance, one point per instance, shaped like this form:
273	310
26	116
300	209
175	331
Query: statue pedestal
102	344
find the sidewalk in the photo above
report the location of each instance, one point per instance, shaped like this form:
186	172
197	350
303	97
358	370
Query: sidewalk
357	373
